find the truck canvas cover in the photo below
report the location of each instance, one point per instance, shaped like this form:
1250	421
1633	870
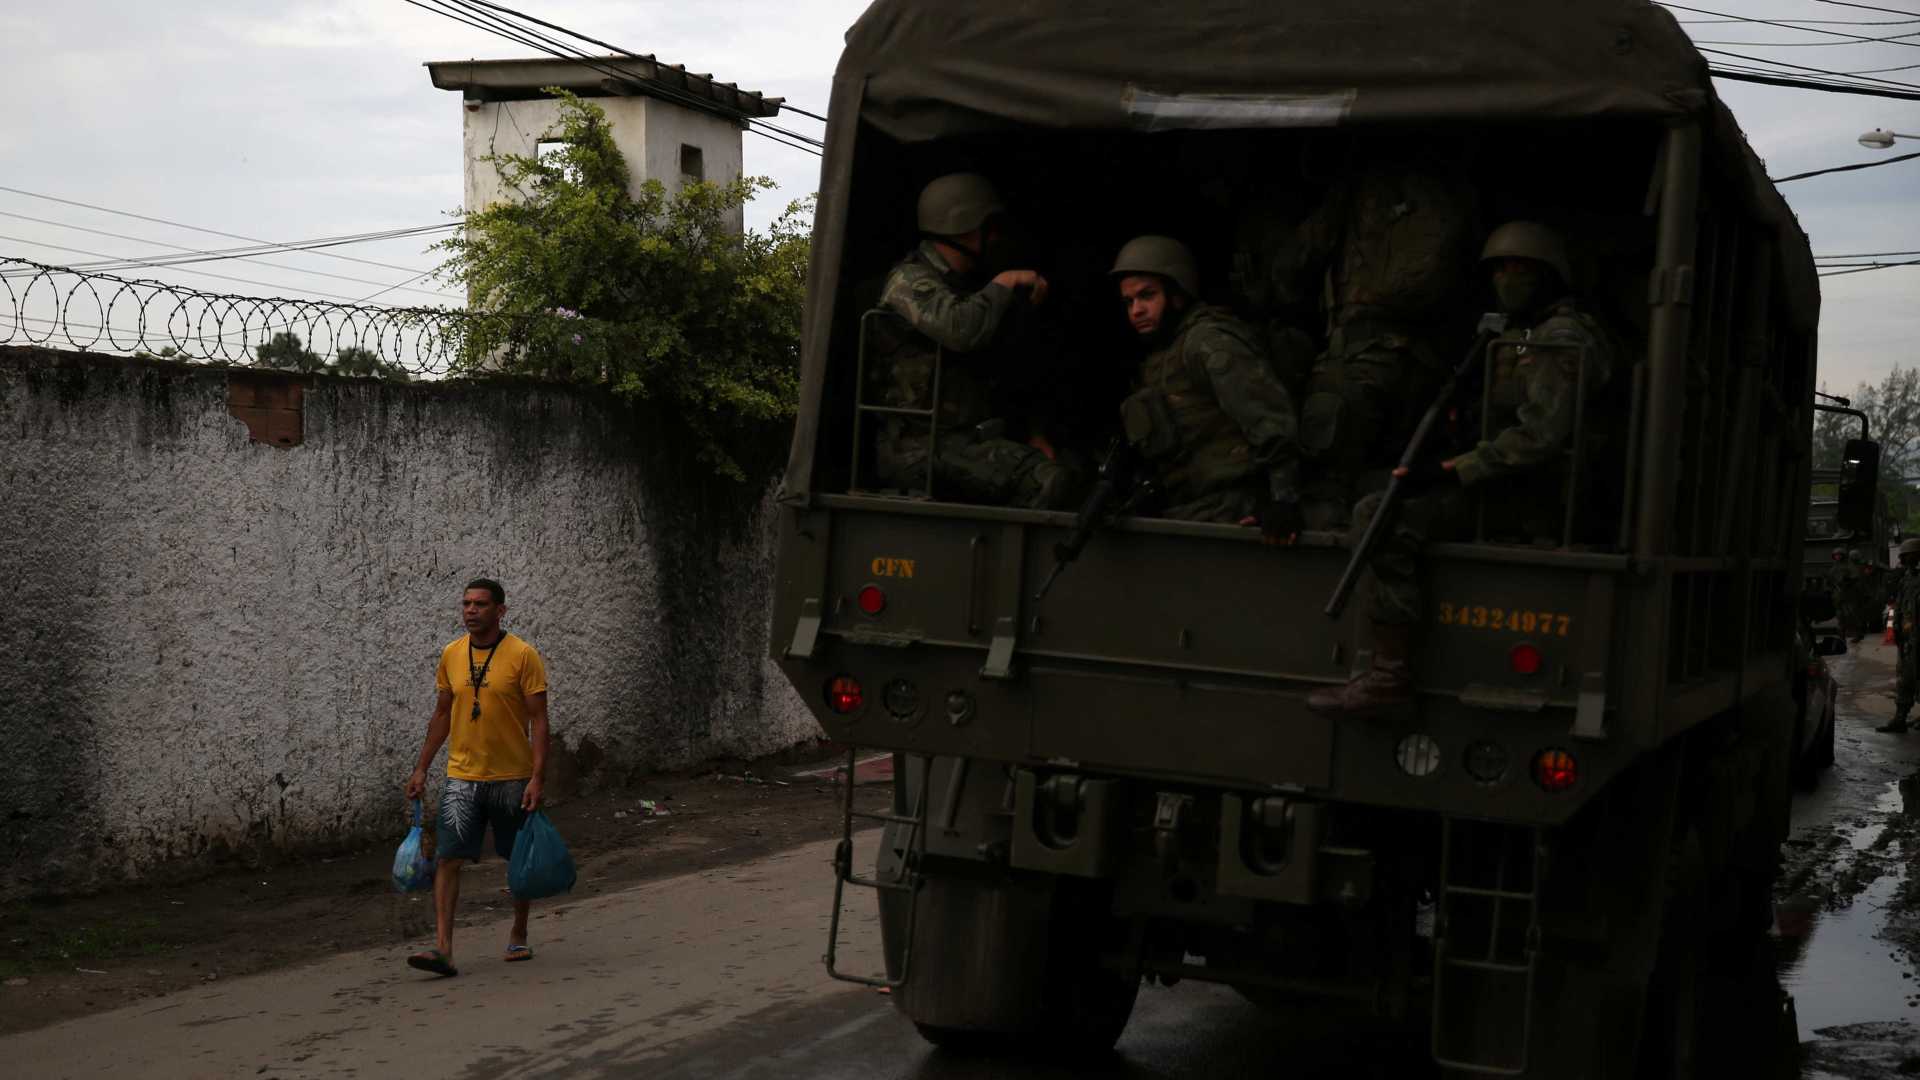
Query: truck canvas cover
915	72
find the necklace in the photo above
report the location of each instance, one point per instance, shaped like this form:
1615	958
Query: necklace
477	677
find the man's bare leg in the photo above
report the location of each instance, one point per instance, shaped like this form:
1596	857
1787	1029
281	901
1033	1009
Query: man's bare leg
446	901
518	935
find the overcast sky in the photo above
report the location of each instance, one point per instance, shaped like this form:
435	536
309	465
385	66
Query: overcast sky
290	119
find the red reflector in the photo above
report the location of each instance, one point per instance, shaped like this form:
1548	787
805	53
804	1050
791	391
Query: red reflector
871	599
1838	555
1525	659
1555	771
844	694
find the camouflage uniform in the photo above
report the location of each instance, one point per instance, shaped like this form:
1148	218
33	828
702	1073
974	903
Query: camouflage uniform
1386	254
946	309
1212	422
1532	397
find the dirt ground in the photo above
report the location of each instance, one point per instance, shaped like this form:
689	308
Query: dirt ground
65	958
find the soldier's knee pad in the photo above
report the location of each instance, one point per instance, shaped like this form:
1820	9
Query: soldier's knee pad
1322	418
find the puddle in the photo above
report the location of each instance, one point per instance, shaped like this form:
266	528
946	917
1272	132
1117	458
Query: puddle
1837	968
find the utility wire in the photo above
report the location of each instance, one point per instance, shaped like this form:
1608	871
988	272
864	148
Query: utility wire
198	229
1810	84
468	11
1869	269
1847	168
1870	255
1894	40
504	10
162	266
196	255
1866	7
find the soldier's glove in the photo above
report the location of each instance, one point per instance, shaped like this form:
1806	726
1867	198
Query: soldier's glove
1279	519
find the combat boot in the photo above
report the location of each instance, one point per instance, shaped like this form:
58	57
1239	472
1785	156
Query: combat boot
1898	726
1387	684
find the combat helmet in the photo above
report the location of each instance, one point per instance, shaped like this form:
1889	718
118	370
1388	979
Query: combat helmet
1162	255
957	203
1858	555
1910	547
1530	240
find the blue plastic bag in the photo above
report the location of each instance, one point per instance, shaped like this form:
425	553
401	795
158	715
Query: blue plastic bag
412	866
540	866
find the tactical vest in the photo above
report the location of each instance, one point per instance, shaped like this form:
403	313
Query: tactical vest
1174	421
1407	233
1533	503
900	365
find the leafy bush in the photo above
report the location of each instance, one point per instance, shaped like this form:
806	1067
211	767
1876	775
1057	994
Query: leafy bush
646	291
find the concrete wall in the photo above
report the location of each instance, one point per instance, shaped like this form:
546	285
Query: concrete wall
216	644
648	131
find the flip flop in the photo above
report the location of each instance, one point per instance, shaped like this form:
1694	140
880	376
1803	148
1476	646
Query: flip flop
432	960
516	953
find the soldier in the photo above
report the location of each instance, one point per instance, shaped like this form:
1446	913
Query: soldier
1382	255
1863	612
1906	619
955	312
1534	371
1208	416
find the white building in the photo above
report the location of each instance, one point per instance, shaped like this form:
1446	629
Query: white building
671	124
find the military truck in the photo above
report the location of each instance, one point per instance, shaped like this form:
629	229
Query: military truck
1557	863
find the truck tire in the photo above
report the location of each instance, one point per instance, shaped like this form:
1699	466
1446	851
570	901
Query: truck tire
1009	964
1823	746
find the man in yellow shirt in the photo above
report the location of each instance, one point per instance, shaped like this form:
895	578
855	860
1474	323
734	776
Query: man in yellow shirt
492	711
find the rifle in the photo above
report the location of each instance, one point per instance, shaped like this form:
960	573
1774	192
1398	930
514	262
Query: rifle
1116	473
1491	327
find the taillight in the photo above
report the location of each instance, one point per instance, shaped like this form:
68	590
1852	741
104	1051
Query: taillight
1555	770
844	694
1525	659
870	599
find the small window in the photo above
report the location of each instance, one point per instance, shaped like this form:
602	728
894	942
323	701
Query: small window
693	163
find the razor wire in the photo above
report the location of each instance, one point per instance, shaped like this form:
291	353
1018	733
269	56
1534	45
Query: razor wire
63	307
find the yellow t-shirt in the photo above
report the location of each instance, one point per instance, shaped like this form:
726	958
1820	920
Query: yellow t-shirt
494	746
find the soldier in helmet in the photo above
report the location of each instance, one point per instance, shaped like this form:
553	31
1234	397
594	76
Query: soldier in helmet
1857	594
1906	619
956	315
1208	416
1518	472
1381	257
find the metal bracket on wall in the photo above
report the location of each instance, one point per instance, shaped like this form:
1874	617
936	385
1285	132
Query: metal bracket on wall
806	630
1000	652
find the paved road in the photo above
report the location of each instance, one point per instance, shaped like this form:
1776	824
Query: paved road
717	975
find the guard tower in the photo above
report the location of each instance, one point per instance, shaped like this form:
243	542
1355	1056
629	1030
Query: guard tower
672	124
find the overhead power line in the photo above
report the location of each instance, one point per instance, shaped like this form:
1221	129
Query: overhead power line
195	255
182	269
1848	168
1870	268
1894	40
199	229
629	53
1866	7
499	21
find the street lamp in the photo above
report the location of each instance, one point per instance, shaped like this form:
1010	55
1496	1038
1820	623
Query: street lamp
1878	139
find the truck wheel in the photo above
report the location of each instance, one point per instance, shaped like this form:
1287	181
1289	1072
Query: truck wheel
1823	746
1009	964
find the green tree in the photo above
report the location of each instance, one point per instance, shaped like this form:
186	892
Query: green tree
648	292
354	360
285	350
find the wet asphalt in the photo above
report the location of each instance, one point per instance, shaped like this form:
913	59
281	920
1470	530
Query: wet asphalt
717	975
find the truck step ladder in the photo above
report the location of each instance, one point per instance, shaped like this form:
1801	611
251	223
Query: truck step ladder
907	880
1487	870
861	408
